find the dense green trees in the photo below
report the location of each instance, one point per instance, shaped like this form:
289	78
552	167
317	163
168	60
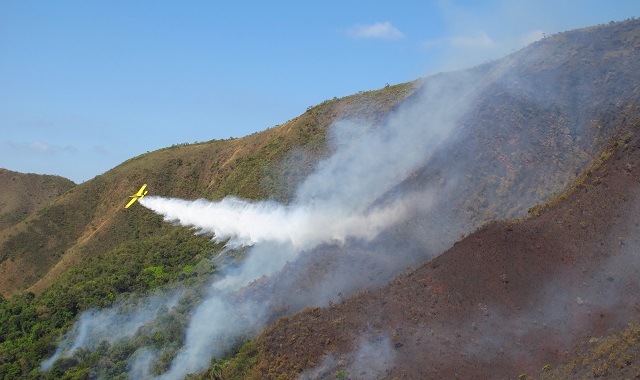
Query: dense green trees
30	325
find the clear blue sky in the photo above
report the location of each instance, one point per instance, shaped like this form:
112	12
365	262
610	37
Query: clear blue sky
85	85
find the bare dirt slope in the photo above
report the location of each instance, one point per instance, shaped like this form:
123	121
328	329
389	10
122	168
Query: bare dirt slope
507	300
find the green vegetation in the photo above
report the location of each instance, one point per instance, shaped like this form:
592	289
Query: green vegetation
616	357
236	366
30	325
341	375
242	362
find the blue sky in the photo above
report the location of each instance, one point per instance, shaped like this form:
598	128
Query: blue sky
86	85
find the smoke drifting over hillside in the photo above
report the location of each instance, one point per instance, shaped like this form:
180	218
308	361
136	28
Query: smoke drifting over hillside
470	147
110	325
340	201
335	204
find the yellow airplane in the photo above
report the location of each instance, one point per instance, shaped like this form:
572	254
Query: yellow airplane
139	195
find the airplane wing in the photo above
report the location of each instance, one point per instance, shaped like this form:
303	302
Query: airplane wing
132	201
141	192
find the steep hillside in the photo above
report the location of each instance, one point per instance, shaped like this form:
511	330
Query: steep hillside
523	129
402	174
510	153
91	219
509	299
533	128
22	194
85	251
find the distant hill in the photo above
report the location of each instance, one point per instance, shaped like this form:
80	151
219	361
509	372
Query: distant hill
22	194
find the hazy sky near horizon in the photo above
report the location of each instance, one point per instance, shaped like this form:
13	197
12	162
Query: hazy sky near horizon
86	85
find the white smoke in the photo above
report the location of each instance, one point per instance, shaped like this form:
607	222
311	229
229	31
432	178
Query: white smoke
111	325
372	357
341	201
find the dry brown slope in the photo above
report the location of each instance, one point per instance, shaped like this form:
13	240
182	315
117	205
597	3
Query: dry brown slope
21	194
508	299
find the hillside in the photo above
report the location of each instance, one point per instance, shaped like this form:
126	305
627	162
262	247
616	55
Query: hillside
22	194
515	156
84	250
508	299
384	181
91	219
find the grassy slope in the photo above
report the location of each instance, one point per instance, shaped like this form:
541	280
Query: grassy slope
90	218
615	356
22	194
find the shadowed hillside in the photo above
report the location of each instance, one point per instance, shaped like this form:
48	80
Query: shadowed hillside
21	194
